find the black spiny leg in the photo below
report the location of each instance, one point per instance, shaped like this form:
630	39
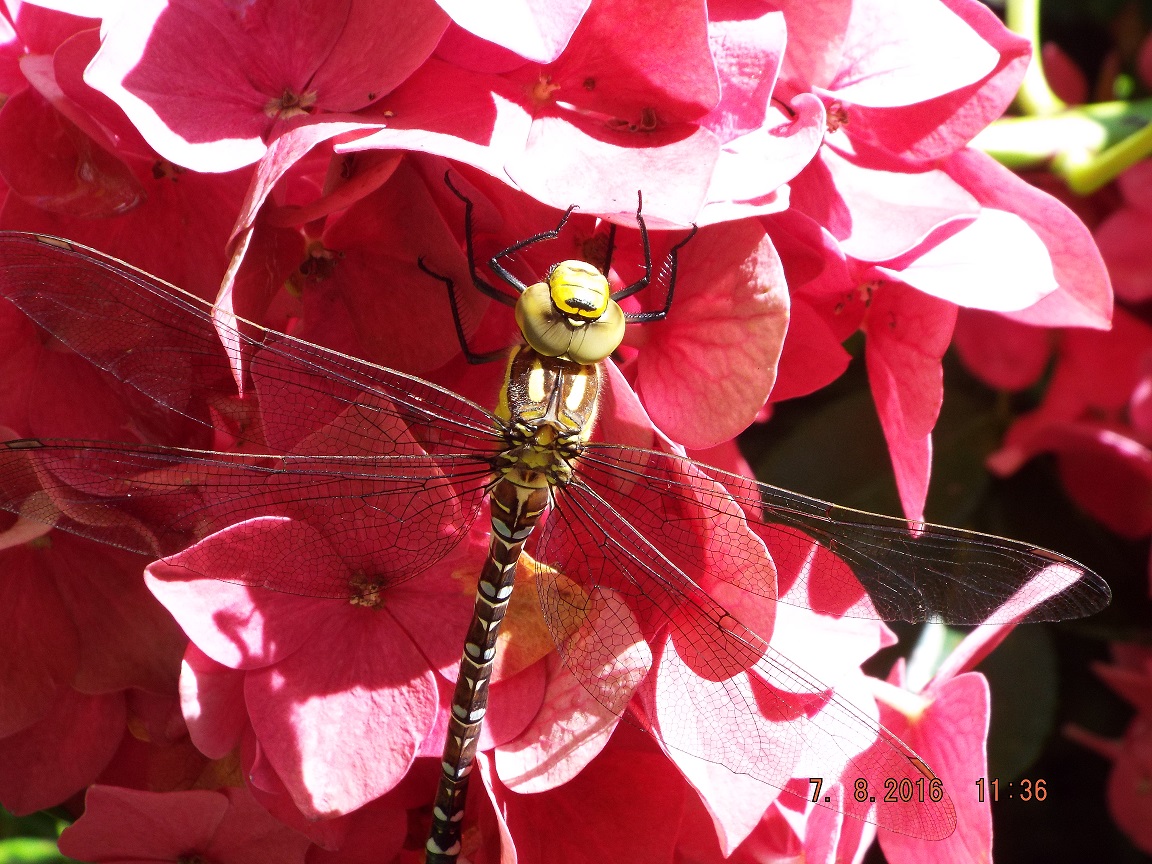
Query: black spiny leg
643	281
504	273
659	314
609	248
470	355
482	285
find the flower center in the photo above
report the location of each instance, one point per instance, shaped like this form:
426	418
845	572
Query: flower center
290	104
367	591
837	115
543	89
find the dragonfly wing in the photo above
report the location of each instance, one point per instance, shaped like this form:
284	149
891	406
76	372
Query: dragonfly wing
388	516
639	634
911	572
164	342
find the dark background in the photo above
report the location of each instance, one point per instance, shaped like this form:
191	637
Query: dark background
1040	676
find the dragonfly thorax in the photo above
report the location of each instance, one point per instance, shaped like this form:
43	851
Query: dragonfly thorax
549	406
571	315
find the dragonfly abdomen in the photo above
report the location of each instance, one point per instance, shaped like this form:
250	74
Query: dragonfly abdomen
549	406
515	511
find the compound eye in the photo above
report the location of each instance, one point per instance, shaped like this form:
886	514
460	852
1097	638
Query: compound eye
598	339
578	290
544	328
554	334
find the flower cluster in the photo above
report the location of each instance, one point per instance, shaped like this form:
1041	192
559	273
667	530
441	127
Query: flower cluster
286	161
1093	416
1130	676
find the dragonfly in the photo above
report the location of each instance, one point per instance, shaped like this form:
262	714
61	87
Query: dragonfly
630	548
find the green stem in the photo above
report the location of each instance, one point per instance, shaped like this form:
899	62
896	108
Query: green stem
1035	96
1084	175
30	850
1087	146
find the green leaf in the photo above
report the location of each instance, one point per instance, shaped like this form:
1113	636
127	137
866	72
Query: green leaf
1021	673
834	451
30	850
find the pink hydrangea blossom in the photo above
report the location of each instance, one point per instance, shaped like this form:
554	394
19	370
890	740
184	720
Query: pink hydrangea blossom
1131	756
286	162
122	824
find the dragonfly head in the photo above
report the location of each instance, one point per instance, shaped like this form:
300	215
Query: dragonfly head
571	315
578	290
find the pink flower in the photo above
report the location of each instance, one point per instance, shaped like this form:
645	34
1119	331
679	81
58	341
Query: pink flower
1001	352
80	633
537	33
126	824
638	795
1131	677
209	86
1119	236
888	154
306	702
608	116
1091	418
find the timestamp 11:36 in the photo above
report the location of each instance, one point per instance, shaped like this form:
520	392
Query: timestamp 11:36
1017	790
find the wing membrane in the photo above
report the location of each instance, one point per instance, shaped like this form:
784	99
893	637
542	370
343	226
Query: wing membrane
374	457
910	572
390	516
163	342
712	688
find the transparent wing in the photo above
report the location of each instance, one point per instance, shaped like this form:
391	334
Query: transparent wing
713	524
163	342
640	635
643	570
390	517
357	450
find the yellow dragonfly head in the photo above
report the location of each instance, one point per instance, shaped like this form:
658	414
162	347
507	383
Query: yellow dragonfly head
571	314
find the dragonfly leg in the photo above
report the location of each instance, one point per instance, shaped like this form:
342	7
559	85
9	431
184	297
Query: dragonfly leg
552	234
670	263
609	248
471	356
482	285
643	281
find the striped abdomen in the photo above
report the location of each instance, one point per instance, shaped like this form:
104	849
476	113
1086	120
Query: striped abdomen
549	406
